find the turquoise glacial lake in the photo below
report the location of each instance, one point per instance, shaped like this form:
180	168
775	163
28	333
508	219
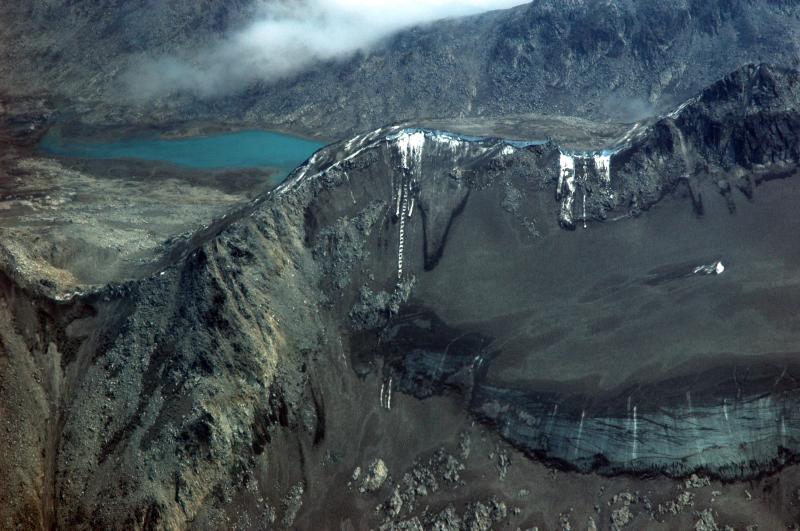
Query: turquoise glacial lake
242	149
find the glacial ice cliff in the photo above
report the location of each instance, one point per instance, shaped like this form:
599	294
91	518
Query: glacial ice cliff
737	437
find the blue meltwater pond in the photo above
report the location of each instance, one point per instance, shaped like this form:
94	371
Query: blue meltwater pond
243	149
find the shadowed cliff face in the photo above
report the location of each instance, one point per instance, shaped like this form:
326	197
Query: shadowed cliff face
423	263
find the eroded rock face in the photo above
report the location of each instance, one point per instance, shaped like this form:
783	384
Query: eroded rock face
738	132
374	476
167	390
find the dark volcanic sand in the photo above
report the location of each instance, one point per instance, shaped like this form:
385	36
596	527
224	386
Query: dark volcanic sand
617	305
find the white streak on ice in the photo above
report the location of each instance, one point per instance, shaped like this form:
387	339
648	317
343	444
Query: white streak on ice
635	433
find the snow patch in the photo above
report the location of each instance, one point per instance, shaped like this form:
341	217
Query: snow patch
410	146
674	114
715	268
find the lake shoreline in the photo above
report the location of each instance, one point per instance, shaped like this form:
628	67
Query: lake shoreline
220	151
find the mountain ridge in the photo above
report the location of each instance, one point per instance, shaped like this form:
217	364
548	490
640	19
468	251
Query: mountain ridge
580	58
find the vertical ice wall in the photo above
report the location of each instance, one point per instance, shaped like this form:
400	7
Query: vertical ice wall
602	164
566	172
578	169
410	146
566	187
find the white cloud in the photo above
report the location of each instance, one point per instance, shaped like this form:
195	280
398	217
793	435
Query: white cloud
288	36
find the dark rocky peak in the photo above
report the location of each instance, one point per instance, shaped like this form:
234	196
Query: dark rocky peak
756	88
738	132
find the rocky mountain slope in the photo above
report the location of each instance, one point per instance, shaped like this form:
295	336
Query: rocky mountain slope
530	295
412	280
618	60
